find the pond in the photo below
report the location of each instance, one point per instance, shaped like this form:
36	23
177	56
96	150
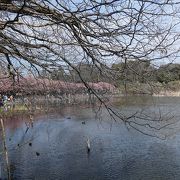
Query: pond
55	147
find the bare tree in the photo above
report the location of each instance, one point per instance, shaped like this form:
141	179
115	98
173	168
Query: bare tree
45	34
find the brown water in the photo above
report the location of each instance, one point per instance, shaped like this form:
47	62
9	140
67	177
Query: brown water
117	153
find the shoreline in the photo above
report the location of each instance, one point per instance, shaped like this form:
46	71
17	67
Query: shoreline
168	94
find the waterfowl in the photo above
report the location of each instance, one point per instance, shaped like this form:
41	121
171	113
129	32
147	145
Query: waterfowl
88	145
37	154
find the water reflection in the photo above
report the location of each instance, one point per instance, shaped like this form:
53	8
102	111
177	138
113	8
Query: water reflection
55	148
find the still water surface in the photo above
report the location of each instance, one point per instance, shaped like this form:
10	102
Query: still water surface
58	149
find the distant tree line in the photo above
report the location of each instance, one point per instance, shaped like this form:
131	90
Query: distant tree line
132	71
89	72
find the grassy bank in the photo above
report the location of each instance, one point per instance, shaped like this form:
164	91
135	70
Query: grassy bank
17	109
170	89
